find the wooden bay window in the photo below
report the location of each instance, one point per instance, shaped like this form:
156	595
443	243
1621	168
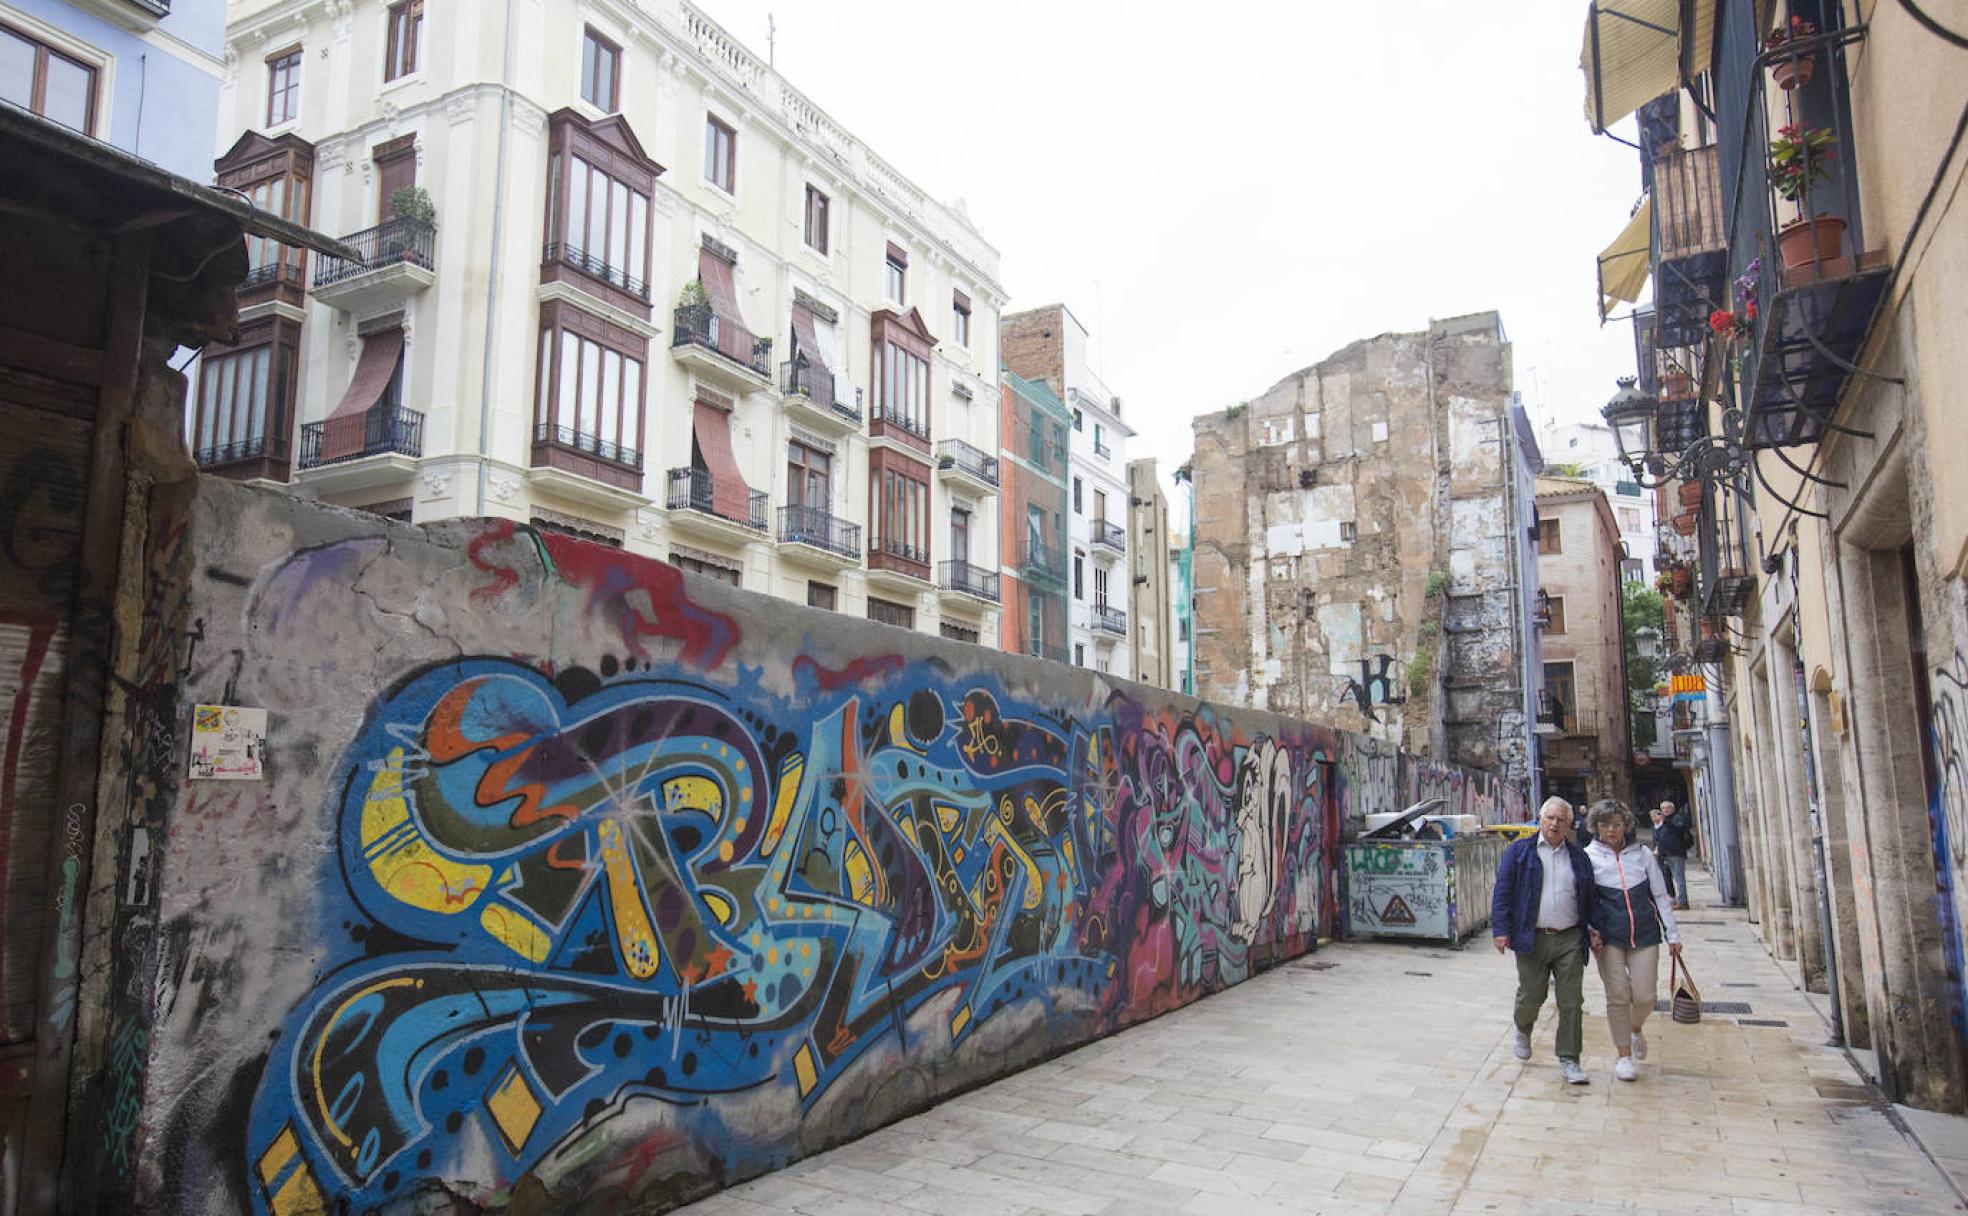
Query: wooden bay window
589	397
276	175
599	184
898	513
901	362
243	416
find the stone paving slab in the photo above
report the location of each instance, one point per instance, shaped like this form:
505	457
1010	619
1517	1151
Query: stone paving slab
1362	1089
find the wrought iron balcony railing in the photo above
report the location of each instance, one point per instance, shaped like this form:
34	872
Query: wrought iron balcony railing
901	550
392	242
802	378
593	445
1110	620
956	454
1036	558
1112	535
595	266
1102	450
696	490
820	528
242	449
698	325
381	430
900	421
960	575
1045	650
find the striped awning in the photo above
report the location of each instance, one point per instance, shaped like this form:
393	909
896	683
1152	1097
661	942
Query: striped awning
1623	265
1635	50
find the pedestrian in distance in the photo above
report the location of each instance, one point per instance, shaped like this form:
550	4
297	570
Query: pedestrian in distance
1674	836
1631	916
1543	894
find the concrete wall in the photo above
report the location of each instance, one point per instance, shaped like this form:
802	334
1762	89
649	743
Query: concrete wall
575	881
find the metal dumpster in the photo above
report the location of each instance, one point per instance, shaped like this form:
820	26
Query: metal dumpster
1433	889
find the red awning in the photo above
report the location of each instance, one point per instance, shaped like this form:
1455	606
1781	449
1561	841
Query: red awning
719	284
730	497
343	433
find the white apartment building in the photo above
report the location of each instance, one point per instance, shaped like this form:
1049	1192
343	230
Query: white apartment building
664	301
1589	447
1050	344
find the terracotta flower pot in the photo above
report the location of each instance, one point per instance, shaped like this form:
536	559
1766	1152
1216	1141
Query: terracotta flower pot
1818	239
1677	386
1789	73
1690	493
1685	523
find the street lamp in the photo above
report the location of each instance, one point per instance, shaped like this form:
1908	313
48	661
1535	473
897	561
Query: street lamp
1632	413
1635	419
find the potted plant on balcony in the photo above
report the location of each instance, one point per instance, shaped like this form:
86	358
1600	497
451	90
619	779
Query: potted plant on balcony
411	204
1677	385
1795	68
693	311
1799	157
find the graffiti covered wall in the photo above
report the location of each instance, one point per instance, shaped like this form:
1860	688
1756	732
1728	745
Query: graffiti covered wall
572	881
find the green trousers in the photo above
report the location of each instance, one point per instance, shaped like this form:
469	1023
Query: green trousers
1560	957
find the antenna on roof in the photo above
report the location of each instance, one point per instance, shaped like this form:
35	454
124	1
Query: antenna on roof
771	39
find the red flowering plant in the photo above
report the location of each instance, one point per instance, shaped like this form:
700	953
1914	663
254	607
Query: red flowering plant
1798	158
1795	28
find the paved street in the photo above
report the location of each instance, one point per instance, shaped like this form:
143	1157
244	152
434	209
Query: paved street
1377	1078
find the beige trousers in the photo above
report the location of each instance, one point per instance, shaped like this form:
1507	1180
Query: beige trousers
1630	977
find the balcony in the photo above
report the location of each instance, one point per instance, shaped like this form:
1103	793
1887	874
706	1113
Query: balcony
967	466
697	504
361	451
397	259
1109	539
720	349
816	535
813	396
1797	238
1691	243
960	578
1039	562
281	279
261	458
1553	715
901	431
1102	450
595	275
586	467
1109	620
1730	594
898	565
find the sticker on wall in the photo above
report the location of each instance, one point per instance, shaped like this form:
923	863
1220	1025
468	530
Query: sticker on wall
228	743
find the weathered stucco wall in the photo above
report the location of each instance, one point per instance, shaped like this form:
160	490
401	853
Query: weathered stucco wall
573	883
1354	547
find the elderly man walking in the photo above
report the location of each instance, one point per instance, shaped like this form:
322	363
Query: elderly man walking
1674	833
1543	897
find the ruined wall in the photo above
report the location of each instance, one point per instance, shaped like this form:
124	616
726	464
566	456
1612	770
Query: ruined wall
1353	531
574	883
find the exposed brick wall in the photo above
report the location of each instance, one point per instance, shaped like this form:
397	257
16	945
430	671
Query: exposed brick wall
1033	344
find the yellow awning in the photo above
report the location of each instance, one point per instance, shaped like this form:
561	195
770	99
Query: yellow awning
1623	264
1635	50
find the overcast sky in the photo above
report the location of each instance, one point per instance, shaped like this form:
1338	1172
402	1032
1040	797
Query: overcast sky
1225	193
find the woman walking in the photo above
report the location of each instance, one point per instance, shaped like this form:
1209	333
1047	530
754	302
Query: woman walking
1632	913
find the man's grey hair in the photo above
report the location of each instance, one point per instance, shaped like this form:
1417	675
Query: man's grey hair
1605	811
1552	801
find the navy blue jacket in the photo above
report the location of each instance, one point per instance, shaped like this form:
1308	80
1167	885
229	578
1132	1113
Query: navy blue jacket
1675	836
1519	887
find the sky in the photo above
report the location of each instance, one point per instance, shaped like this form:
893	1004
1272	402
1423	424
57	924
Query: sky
1226	193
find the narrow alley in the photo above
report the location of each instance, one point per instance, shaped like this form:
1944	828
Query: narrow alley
1377	1078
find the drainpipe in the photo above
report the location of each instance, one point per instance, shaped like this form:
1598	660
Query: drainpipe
1816	802
492	271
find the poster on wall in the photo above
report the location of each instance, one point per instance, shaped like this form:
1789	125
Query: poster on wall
228	743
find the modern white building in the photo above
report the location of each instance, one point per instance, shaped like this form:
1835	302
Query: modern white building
1050	344
620	279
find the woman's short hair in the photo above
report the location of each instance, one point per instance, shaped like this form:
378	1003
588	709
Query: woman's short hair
1605	811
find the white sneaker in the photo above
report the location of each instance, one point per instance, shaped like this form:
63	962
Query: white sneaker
1520	1044
1639	1046
1573	1074
1626	1070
